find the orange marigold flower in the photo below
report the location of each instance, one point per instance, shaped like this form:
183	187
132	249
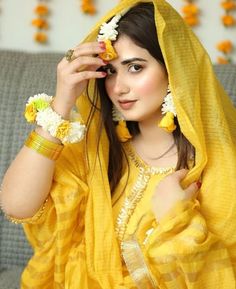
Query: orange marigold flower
228	20
88	7
222	60
225	46
40	23
41	10
191	20
190	9
228	5
40	37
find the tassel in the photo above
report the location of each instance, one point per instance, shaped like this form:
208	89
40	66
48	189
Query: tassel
167	122
122	131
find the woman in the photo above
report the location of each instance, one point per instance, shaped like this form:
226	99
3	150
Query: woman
124	207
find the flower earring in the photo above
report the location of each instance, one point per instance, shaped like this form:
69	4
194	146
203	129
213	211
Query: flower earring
121	128
168	108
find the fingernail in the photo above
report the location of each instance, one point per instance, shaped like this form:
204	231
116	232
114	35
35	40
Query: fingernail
102	44
104	73
199	184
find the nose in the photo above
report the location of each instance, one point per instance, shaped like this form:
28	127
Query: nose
120	85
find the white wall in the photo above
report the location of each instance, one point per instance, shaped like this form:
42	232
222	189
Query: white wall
69	25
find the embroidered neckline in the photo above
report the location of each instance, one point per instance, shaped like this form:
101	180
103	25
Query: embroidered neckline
139	162
137	192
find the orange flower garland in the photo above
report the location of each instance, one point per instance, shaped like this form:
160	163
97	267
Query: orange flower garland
228	20
40	22
88	7
226	47
190	13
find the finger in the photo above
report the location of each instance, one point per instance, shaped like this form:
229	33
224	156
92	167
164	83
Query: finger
82	63
180	174
191	190
86	75
89	48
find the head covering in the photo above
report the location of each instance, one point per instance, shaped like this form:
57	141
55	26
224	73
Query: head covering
208	120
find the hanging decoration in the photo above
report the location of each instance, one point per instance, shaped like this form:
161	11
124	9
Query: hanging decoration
228	19
88	7
226	47
190	13
41	22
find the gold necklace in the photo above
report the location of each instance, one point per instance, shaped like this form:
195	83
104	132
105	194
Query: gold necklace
163	154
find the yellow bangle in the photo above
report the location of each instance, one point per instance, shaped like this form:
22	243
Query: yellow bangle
43	146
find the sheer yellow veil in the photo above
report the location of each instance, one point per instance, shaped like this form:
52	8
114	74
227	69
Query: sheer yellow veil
206	117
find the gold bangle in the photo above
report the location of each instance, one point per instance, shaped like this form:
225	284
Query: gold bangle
43	146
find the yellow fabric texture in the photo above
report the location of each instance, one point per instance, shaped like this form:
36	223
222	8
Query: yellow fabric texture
194	246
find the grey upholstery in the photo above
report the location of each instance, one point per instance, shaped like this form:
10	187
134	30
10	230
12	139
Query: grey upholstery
22	75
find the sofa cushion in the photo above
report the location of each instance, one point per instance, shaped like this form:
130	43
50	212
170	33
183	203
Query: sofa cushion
227	76
10	279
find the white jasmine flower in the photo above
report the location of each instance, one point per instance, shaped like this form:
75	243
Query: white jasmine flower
168	105
42	96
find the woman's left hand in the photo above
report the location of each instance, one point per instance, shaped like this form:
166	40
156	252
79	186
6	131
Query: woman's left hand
169	192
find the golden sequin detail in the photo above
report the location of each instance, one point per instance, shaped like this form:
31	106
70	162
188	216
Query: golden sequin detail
131	201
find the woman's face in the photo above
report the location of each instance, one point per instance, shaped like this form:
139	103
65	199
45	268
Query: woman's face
136	82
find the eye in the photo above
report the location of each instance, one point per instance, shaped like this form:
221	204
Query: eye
135	67
109	70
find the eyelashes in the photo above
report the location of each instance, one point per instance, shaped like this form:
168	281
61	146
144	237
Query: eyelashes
132	67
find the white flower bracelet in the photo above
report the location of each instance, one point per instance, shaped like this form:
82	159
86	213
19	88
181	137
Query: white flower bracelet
38	110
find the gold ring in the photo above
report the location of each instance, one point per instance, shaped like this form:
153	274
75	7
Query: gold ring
69	55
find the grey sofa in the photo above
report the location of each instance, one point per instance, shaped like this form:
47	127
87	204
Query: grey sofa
22	75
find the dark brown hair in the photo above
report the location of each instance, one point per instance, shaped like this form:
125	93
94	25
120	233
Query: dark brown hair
135	24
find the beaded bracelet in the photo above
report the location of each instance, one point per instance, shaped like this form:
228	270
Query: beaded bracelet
38	110
43	146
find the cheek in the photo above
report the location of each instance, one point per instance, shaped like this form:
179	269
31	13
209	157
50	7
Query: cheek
150	84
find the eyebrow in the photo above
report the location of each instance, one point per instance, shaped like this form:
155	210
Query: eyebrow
127	61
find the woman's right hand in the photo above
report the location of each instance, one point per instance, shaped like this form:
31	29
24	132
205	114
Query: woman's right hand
73	76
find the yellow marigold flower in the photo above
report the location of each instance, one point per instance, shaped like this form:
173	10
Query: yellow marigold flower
30	113
228	5
40	23
167	122
40	37
225	46
191	20
63	129
190	9
228	20
222	60
41	10
110	52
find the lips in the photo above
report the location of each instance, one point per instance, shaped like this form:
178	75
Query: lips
126	104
